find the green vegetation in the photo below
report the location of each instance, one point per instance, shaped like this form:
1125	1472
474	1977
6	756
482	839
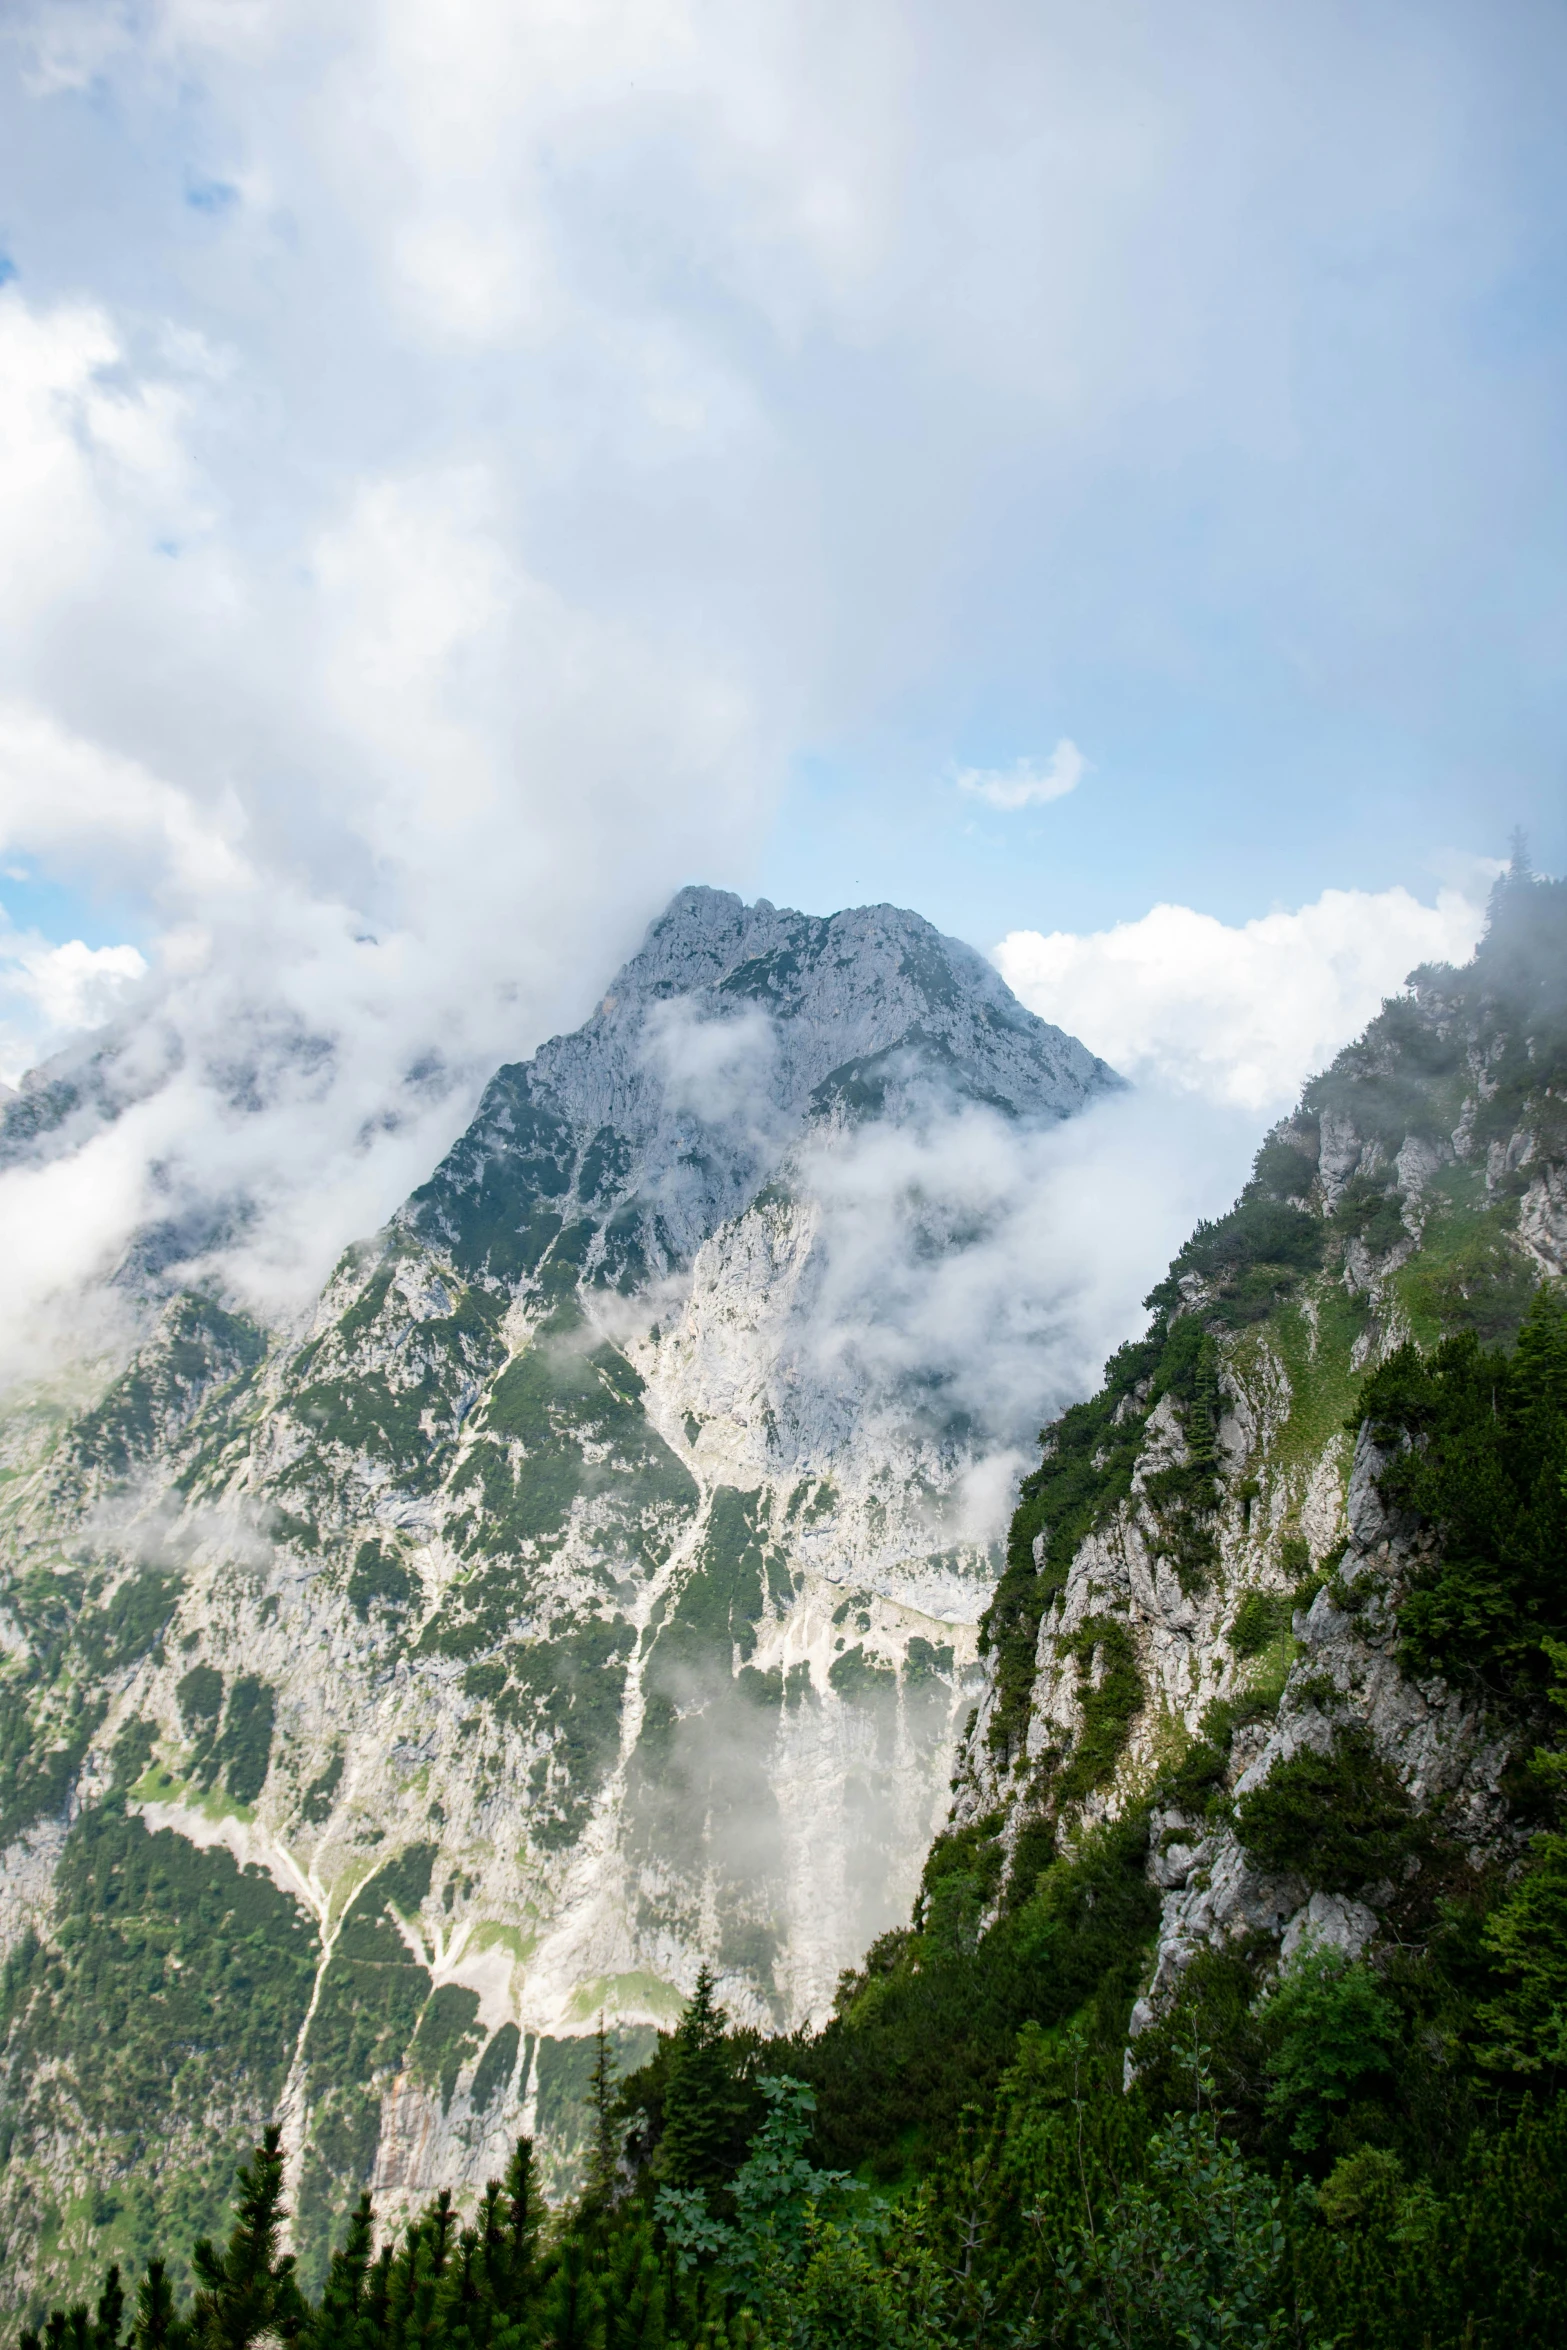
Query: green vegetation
199	1348
244	1750
489	1203
446	2039
1364	2151
316	1803
1339	1819
1247	1261
1110	1693
379	1577
1089	1457
1477	1445
1470	1273
130	1623
154	2026
1053	2207
406	1418
1259	1620
41	1750
564	1425
496	2068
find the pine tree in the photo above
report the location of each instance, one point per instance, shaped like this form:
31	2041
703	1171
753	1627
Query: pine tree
157	2324
505	2250
700	2107
110	2313
248	2289
635	2292
340	2319
439	2221
378	2297
604	2146
574	2304
411	2289
464	2309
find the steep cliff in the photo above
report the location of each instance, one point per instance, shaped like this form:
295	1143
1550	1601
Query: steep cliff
1217	1576
581	1594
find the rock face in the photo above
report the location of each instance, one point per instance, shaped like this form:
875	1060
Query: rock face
577	1597
1202	1573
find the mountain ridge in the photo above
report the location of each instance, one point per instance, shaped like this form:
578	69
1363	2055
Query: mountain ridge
554	1609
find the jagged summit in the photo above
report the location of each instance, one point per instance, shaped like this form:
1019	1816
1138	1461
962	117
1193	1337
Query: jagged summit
731	1031
877	971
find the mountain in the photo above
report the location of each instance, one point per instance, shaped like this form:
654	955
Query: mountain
1230	2006
590	1589
1239	1611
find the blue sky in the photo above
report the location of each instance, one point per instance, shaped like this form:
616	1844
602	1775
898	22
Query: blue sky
466	470
1192	392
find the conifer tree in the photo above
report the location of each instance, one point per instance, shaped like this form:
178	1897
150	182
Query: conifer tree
439	2222
378	2296
635	2292
411	2288
700	2111
248	2289
521	2242
461	2309
110	2313
574	2317
340	2319
604	2145
157	2324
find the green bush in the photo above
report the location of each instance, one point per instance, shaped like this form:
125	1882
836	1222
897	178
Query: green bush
1259	1620
1330	2031
1477	1451
1340	1820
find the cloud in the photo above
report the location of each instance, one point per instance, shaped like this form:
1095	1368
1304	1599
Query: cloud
719	1070
55	993
419	565
392	804
1236	1014
972	1274
1031	783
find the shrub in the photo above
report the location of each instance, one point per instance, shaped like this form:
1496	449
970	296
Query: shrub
1258	1621
1338	1819
1331	2031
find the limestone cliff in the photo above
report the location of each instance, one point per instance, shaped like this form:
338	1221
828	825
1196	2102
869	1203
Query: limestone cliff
1203	1572
574	1598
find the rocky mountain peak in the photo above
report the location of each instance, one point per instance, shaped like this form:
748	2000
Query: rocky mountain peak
567	1606
731	1032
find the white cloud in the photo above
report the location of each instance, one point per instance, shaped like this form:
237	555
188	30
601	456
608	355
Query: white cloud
978	1273
83	452
1236	1014
1030	783
418	566
716	1069
393	803
58	992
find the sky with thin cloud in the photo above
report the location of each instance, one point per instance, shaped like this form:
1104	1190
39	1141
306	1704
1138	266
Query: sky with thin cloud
1090	472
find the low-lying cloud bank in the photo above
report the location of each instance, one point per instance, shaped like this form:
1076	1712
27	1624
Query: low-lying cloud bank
1237	1014
977	1274
282	1083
